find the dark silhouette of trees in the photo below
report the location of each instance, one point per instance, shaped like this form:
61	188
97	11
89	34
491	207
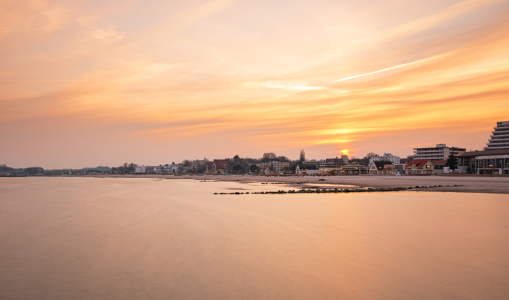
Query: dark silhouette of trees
126	168
237	169
268	157
34	170
452	162
302	156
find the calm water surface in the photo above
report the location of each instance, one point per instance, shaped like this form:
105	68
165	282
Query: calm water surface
105	238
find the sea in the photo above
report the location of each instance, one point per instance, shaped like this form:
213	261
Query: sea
149	238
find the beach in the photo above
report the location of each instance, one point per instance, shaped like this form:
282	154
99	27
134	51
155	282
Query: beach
457	184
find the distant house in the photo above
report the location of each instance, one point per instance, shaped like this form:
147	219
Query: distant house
381	168
221	166
354	169
141	169
307	169
174	168
210	168
425	167
330	166
265	170
218	166
278	166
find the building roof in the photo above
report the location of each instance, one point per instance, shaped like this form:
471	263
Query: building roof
419	163
439	146
221	163
381	164
483	153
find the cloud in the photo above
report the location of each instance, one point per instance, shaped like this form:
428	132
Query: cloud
216	76
105	34
35	16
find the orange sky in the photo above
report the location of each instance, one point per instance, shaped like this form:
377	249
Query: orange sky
87	83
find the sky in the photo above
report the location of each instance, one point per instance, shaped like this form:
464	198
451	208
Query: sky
89	83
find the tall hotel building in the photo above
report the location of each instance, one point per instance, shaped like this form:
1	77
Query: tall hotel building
499	139
440	152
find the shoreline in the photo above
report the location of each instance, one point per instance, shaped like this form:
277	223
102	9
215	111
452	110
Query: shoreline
457	184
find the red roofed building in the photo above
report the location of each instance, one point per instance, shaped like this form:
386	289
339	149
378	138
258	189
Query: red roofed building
210	168
381	168
218	166
425	167
221	166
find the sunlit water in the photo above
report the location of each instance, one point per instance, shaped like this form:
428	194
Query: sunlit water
104	238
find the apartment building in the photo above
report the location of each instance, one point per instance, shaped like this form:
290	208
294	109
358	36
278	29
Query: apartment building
386	157
440	152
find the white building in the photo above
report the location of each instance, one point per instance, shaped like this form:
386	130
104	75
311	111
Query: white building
499	139
278	166
141	169
386	157
440	152
307	169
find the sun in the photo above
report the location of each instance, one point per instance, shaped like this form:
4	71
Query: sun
345	151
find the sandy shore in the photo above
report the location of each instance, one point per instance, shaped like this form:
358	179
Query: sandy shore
462	184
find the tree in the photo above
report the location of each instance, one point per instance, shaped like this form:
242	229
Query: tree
452	162
132	167
370	155
302	156
237	169
253	169
361	161
268	157
34	170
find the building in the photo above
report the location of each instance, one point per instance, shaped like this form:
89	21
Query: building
425	167
307	169
353	169
380	168
499	139
440	152
331	165
278	166
485	162
218	166
335	161
386	157
141	169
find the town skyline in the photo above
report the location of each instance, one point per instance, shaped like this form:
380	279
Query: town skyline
179	158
